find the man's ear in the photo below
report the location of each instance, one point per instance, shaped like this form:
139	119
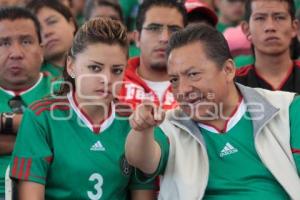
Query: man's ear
229	69
246	30
296	29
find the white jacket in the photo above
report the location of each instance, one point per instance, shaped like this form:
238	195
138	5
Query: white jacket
187	170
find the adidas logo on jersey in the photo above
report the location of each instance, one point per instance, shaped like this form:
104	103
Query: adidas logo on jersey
227	150
97	147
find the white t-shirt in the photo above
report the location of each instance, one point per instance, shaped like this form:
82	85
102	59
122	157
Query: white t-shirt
158	87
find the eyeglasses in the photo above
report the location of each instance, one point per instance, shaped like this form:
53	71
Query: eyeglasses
16	104
159	28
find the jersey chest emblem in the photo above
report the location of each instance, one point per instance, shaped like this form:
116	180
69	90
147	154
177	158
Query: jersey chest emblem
97	147
227	150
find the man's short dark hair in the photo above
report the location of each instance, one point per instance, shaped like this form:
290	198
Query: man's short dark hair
215	45
248	8
14	13
147	4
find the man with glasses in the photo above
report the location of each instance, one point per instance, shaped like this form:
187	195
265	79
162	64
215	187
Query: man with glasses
21	82
231	12
146	76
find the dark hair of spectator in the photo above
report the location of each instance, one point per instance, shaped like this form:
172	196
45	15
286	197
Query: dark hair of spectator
14	13
215	45
248	8
148	4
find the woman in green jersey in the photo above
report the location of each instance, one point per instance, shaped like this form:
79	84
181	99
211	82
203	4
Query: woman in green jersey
72	146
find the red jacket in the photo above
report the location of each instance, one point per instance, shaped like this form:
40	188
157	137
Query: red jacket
134	89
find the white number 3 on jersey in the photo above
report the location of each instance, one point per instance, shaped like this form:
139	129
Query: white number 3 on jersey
97	186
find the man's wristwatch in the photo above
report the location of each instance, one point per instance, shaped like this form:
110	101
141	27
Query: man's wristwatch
8	122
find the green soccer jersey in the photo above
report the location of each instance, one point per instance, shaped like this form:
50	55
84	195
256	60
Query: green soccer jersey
129	9
39	90
57	146
221	27
236	171
55	71
134	51
80	20
297	4
295	131
243	60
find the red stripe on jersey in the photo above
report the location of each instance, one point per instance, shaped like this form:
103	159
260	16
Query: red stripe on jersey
49	159
46	74
55	79
96	127
21	168
27	172
231	115
44	103
39	177
297	63
244	70
35	103
59	107
157	184
283	82
297	151
15	167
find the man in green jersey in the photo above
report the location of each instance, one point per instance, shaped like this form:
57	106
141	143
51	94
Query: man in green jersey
21	82
226	141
